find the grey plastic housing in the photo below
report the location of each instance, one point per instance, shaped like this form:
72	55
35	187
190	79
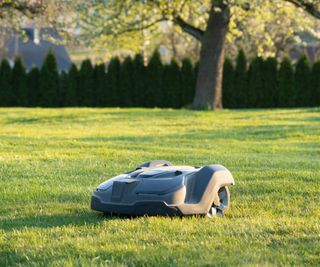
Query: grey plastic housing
161	189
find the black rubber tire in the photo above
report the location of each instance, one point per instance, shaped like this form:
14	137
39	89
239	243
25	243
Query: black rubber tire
219	211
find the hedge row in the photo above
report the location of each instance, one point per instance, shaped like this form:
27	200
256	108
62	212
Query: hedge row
260	84
265	83
126	84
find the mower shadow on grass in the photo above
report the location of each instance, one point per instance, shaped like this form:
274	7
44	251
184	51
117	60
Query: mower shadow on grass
55	220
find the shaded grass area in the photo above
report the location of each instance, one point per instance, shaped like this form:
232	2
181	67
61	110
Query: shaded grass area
52	159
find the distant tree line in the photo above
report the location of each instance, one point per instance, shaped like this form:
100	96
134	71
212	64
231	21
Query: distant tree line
122	84
265	83
262	83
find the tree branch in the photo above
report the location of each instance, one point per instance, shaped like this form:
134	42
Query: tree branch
139	27
23	7
307	6
186	27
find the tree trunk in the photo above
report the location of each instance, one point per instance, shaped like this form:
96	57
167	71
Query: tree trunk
209	80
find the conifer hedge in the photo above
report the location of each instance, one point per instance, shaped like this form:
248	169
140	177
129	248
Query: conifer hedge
228	90
260	83
49	83
7	97
286	88
239	98
33	88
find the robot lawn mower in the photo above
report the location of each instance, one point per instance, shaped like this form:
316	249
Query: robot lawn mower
159	188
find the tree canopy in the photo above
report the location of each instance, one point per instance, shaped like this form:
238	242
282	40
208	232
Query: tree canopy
265	27
260	27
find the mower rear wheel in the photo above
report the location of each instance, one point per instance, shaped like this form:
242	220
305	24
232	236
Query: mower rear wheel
224	196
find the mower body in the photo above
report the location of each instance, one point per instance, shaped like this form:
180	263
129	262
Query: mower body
163	189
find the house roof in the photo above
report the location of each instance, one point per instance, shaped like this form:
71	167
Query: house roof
35	49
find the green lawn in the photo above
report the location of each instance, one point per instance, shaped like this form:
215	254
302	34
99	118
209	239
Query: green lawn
52	159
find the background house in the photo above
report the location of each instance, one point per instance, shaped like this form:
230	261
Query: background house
309	45
34	46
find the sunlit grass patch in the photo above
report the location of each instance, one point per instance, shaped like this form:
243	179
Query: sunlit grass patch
52	159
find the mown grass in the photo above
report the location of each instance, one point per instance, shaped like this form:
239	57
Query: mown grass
52	159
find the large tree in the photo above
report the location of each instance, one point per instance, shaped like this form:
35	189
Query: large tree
208	21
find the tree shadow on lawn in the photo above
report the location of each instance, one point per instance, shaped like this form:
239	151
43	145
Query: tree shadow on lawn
55	220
